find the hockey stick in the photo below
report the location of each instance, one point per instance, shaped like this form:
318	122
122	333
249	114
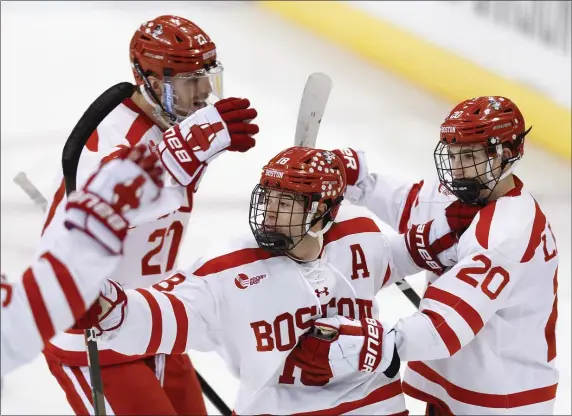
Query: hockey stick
91	118
22	180
312	108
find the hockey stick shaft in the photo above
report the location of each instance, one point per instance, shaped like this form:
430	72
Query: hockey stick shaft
36	196
312	107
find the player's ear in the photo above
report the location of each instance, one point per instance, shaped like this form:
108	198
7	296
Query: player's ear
322	208
155	85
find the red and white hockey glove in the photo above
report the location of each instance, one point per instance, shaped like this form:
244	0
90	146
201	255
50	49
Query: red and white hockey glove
187	148
114	195
107	313
339	346
354	163
431	245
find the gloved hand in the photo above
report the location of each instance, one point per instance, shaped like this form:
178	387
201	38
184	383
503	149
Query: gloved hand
354	163
431	245
108	311
189	147
114	195
338	346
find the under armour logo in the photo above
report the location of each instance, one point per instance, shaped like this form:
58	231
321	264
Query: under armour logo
325	292
127	194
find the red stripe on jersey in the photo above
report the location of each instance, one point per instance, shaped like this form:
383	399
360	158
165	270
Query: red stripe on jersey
189	192
66	383
445	331
58	197
497	401
114	154
387	276
411	198
231	260
550	329
68	285
538	226
38	307
180	344
82	382
483	226
465	311
354	226
378	395
130	104
93	142
516	191
443	410
156	322
138	129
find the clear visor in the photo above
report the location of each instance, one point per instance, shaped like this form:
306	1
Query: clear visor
188	92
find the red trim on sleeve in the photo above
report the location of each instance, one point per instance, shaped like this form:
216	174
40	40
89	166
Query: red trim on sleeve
445	331
411	199
156	322
474	398
483	226
180	344
538	226
38	306
68	285
465	311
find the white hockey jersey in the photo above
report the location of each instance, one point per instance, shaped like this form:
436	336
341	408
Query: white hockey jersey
151	246
54	292
251	307
484	339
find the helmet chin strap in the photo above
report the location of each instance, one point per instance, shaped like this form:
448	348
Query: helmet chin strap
158	110
311	221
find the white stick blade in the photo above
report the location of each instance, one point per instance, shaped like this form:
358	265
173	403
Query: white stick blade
312	107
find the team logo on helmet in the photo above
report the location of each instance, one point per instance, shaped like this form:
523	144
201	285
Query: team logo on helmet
494	104
157	31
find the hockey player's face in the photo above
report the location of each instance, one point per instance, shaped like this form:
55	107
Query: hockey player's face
191	94
284	213
472	162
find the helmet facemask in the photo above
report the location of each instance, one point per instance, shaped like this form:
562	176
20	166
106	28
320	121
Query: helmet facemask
183	93
280	219
471	171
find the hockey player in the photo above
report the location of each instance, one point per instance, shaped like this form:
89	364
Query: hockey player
483	341
177	74
252	303
65	279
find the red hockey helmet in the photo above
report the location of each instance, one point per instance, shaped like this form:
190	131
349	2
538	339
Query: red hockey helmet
304	175
178	52
496	124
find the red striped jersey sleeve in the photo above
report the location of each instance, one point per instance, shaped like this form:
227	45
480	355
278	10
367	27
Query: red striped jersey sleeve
173	316
53	293
505	261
